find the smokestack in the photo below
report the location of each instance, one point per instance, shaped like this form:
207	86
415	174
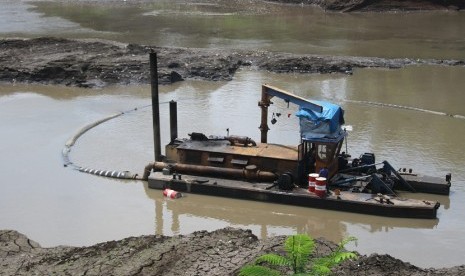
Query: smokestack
155	105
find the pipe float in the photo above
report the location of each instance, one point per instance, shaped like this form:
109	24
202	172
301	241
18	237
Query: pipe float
108	173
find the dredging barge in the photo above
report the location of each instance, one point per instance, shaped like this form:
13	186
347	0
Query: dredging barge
238	167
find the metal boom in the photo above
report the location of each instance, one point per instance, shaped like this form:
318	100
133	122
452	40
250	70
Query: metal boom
269	92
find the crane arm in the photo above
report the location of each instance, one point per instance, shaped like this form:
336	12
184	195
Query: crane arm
289	97
269	92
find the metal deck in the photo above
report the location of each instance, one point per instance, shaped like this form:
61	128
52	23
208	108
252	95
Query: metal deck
348	202
274	151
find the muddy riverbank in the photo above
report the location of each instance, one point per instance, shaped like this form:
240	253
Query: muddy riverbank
381	5
97	63
221	252
335	5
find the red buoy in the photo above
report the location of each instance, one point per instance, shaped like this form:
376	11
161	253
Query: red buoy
320	186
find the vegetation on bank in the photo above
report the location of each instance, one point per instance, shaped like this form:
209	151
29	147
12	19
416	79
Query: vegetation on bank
220	252
299	249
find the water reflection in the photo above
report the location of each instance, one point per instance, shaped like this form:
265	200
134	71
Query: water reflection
267	219
59	92
444	200
49	115
18	18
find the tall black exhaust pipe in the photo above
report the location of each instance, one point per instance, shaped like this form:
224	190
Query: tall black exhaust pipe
173	120
155	105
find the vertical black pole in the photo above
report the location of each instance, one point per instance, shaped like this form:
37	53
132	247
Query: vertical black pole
173	120
264	103
155	105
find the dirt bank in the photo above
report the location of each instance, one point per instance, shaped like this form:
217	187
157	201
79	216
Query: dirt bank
92	63
392	5
221	252
381	5
331	5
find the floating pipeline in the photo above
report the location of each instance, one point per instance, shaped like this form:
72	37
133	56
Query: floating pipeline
105	173
112	174
457	116
128	175
70	143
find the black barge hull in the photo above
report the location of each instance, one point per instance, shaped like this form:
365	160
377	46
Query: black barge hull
428	184
346	201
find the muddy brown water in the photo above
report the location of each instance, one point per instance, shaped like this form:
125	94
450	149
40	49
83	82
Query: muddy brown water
55	205
241	25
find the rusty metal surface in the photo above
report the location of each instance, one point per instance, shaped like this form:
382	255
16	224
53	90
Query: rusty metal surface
250	173
261	150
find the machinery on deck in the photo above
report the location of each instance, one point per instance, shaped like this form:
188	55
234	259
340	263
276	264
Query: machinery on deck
322	138
237	166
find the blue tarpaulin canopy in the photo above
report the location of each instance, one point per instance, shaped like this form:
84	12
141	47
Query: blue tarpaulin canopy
321	126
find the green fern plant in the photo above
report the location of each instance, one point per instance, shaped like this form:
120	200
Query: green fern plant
323	265
298	250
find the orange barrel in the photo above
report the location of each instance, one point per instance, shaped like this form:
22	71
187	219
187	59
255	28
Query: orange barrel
171	193
311	181
320	186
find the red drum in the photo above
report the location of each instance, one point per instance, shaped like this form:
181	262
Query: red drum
312	181
320	187
171	193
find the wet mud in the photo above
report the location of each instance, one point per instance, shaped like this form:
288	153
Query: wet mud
98	63
381	5
339	5
221	252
